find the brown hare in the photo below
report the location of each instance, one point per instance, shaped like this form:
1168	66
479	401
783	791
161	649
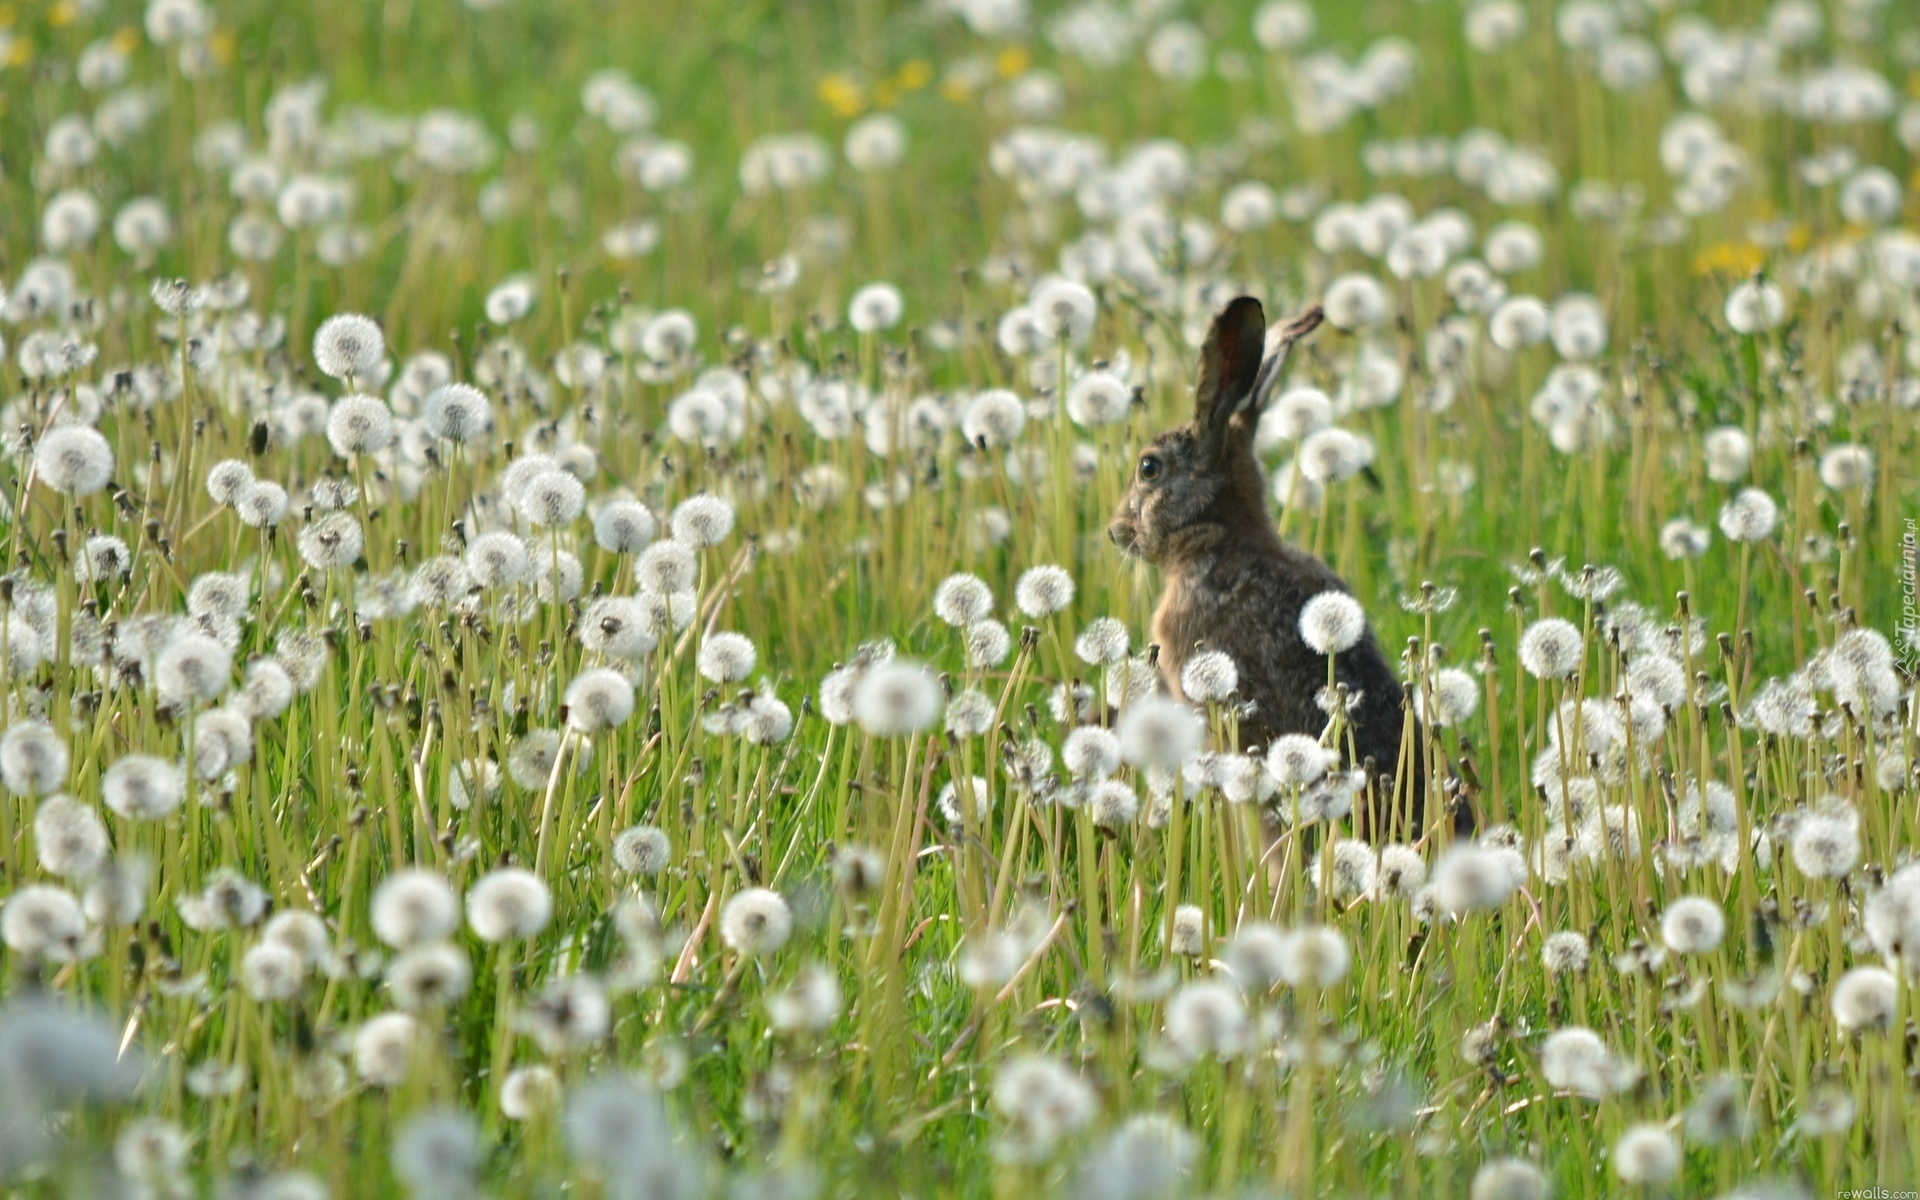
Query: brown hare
1197	509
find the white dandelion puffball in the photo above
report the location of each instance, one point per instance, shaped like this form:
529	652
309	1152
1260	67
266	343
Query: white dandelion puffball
1063	310
1043	591
1552	648
599	698
1159	732
1749	516
1099	398
701	521
726	657
875	308
1693	925
359	424
1209	677
961	599
74	460
995	418
896	697
348	345
1866	999
508	904
1755	307
756	922
1355	302
1846	468
1332	622
1519	322
1646	1154
624	527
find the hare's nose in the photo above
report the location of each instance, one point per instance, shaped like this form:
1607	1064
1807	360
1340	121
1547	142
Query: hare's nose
1117	534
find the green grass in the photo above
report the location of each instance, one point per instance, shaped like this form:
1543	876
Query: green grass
1356	1088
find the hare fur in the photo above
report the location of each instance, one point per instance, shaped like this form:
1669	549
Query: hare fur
1197	509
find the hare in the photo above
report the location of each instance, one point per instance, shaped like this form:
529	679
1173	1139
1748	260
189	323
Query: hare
1197	509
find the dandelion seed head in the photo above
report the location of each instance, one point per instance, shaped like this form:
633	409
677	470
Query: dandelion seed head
1755	306
1355	302
1063	310
1564	952
756	922
1552	648
1332	623
383	1049
1113	805
69	838
529	1092
1102	643
269	971
552	499
43	923
896	697
1519	322
598	699
1332	454
875	308
1866	1000
1091	752
1189	926
1646	1154
508	904
1098	399
1749	517
1826	845
1508	1178
226	479
1043	1103
1314	956
1575	1059
1206	1019
962	599
262	504
192	667
642	850
701	521
970	714
117	896
412	907
74	460
1158	732
1355	868
995	418
624	527
457	412
359	424
666	568
33	759
1400	872
1846	468
348	344
1209	677
1693	925
1472	878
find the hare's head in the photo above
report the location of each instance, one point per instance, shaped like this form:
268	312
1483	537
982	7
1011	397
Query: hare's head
1198	485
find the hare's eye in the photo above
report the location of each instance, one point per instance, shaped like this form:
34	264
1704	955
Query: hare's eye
1150	467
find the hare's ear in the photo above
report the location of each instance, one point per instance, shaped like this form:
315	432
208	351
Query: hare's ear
1280	340
1229	365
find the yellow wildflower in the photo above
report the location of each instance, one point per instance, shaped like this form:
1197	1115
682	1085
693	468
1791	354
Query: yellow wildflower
841	94
913	75
1729	258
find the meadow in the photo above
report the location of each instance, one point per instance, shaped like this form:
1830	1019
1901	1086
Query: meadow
560	637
